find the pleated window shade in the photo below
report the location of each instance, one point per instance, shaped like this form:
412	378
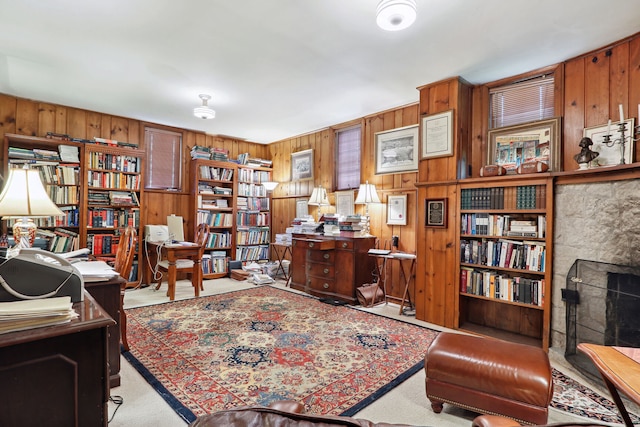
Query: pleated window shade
164	159
522	102
348	158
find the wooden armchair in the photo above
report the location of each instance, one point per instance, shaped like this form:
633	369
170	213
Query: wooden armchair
187	265
122	264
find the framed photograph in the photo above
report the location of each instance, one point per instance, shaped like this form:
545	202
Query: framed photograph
397	150
344	203
302	165
436	213
510	146
397	210
302	208
437	135
610	156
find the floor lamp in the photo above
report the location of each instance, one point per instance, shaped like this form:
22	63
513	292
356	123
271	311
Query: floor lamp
23	198
367	194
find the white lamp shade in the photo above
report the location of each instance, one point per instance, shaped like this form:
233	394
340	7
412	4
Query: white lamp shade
24	196
395	15
270	185
318	197
204	113
367	194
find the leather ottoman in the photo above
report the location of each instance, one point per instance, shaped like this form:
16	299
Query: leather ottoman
489	376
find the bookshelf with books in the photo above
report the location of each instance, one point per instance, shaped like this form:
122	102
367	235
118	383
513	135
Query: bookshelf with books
253	215
112	193
213	198
505	244
59	164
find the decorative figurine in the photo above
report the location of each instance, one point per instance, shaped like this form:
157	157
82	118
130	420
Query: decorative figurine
585	156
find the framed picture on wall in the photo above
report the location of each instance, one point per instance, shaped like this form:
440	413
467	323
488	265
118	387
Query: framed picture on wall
396	150
344	203
302	165
302	208
397	210
436	213
611	154
437	135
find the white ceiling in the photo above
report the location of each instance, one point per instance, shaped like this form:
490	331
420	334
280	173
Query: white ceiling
280	68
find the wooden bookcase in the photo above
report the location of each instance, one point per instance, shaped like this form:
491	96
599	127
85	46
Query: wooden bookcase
505	240
98	172
253	215
214	203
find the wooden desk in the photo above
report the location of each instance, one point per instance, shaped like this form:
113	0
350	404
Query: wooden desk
172	253
620	370
56	376
280	251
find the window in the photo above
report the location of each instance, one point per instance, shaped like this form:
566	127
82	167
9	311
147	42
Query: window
348	158
164	159
521	102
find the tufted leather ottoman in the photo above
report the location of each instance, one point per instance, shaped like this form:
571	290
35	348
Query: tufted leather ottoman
489	376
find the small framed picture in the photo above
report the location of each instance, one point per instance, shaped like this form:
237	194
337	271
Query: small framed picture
302	165
302	208
436	213
344	203
396	150
397	210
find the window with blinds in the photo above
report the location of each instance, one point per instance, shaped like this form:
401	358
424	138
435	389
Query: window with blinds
348	158
164	159
522	102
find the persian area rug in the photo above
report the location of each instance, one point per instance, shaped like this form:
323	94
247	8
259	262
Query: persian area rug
254	346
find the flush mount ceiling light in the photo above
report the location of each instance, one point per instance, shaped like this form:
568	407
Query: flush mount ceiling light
395	15
204	112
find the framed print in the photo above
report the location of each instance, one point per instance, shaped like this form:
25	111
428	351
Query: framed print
397	210
437	135
436	213
344	203
397	150
302	208
302	165
511	146
610	156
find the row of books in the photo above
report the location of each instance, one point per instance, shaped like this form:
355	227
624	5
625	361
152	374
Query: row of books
113	218
63	195
503	287
517	197
251	190
200	152
219	240
214	219
253	236
485	224
61	240
102	244
215	173
58	174
253	176
252	253
208	203
114	162
523	255
253	218
253	203
245	159
113	180
35	154
212	263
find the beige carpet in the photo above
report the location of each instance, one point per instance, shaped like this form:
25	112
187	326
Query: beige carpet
142	406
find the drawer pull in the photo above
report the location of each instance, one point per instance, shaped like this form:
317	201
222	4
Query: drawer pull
325	285
345	244
325	256
310	244
325	271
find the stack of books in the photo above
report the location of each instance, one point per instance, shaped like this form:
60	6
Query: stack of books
29	314
238	274
200	152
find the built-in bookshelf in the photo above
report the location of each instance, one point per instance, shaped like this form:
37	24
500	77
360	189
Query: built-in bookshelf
253	215
214	187
505	244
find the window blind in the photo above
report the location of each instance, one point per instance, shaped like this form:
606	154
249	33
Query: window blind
348	158
522	102
164	159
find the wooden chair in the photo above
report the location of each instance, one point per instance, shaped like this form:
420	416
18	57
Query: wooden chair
186	265
122	264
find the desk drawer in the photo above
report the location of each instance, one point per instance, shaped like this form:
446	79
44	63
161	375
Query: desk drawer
321	256
320	245
321	270
344	244
321	285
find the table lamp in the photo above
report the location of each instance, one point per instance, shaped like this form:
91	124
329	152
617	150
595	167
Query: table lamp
24	197
367	194
319	198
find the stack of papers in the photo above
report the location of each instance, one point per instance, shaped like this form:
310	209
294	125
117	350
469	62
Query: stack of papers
29	314
95	271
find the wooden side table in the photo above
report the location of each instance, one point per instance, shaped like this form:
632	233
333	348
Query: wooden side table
280	250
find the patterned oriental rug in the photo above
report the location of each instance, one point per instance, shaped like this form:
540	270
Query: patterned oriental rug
254	346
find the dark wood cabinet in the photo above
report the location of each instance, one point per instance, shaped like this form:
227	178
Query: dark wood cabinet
331	266
57	375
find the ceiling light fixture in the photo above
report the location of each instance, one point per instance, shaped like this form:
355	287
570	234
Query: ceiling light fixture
204	112
395	15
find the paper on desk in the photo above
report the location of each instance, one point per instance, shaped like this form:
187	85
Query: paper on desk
29	314
95	270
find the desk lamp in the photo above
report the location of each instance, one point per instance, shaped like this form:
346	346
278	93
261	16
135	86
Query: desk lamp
319	198
24	197
367	194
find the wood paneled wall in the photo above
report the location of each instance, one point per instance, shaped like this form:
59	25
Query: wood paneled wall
35	118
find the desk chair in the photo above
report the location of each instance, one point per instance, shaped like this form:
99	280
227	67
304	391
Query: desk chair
186	265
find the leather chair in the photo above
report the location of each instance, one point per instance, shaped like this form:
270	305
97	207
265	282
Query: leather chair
499	421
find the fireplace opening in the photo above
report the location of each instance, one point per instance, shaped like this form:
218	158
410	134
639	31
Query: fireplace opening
602	306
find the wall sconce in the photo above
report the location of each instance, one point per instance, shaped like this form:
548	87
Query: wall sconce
367	194
24	197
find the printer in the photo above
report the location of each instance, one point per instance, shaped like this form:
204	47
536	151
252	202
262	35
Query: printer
35	273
